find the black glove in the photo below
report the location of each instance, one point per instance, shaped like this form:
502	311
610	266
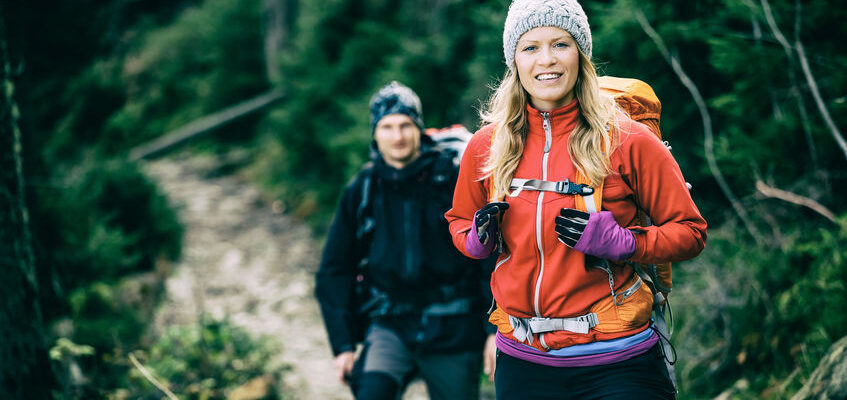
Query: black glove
485	220
570	225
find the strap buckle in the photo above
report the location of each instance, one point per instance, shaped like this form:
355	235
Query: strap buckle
566	186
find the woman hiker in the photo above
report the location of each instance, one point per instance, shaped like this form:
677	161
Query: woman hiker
554	182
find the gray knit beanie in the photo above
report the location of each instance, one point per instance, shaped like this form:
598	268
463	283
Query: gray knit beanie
395	98
528	14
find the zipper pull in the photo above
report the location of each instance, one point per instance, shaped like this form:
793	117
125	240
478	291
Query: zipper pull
548	135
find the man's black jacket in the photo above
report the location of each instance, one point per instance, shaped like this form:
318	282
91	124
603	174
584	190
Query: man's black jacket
410	257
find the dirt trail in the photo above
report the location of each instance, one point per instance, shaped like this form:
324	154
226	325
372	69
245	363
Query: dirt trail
243	261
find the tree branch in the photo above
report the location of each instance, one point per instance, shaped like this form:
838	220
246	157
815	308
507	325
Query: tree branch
792	75
795	90
816	94
151	379
777	33
708	142
772	192
807	72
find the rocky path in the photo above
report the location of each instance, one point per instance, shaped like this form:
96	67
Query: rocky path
244	261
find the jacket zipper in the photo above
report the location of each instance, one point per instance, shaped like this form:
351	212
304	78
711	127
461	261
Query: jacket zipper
496	267
407	231
548	142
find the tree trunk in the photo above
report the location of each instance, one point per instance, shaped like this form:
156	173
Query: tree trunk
279	22
24	368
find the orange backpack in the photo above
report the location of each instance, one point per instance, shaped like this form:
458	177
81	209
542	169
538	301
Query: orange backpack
638	100
641	104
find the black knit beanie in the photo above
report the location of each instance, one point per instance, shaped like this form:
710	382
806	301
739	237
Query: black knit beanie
395	98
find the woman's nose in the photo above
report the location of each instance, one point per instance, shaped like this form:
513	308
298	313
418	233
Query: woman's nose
545	56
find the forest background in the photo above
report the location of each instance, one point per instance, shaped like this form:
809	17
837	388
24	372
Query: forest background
754	102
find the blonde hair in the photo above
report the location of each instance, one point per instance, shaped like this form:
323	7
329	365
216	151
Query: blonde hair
587	146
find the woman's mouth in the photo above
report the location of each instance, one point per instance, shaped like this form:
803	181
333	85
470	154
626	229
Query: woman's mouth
547	77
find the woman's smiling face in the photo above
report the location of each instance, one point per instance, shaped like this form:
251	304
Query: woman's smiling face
547	61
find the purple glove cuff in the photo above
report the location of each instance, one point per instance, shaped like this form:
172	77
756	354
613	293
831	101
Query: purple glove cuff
474	247
604	238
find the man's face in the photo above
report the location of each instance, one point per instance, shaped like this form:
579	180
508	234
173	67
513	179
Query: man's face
398	139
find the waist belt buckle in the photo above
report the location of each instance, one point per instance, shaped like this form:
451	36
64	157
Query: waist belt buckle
591	318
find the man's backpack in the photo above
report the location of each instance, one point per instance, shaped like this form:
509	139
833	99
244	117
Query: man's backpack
453	138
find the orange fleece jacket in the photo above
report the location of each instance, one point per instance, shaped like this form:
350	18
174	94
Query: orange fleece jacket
540	276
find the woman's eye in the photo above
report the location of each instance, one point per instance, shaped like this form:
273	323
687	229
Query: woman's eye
529	48
561	44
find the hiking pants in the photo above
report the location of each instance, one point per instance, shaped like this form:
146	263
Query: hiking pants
641	377
387	366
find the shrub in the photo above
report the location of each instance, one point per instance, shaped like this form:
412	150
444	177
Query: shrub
203	361
759	317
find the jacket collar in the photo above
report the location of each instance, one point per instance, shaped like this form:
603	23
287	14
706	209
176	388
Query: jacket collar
562	120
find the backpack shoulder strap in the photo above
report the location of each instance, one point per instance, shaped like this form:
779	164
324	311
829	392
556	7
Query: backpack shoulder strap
445	168
364	216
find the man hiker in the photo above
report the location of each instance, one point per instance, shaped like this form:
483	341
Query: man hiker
390	272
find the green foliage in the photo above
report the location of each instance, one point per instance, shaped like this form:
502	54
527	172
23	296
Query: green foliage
190	68
100	317
161	79
92	97
204	361
64	348
103	221
755	91
71	58
759	316
343	52
105	321
749	318
134	71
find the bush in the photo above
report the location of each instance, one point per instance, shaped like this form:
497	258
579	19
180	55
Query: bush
204	361
103	221
742	311
99	224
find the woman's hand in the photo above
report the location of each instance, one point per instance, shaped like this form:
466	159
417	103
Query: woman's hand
596	234
485	218
480	243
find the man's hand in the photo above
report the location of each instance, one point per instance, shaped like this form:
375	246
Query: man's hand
344	365
489	357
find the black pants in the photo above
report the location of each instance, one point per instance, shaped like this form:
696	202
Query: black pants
641	377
